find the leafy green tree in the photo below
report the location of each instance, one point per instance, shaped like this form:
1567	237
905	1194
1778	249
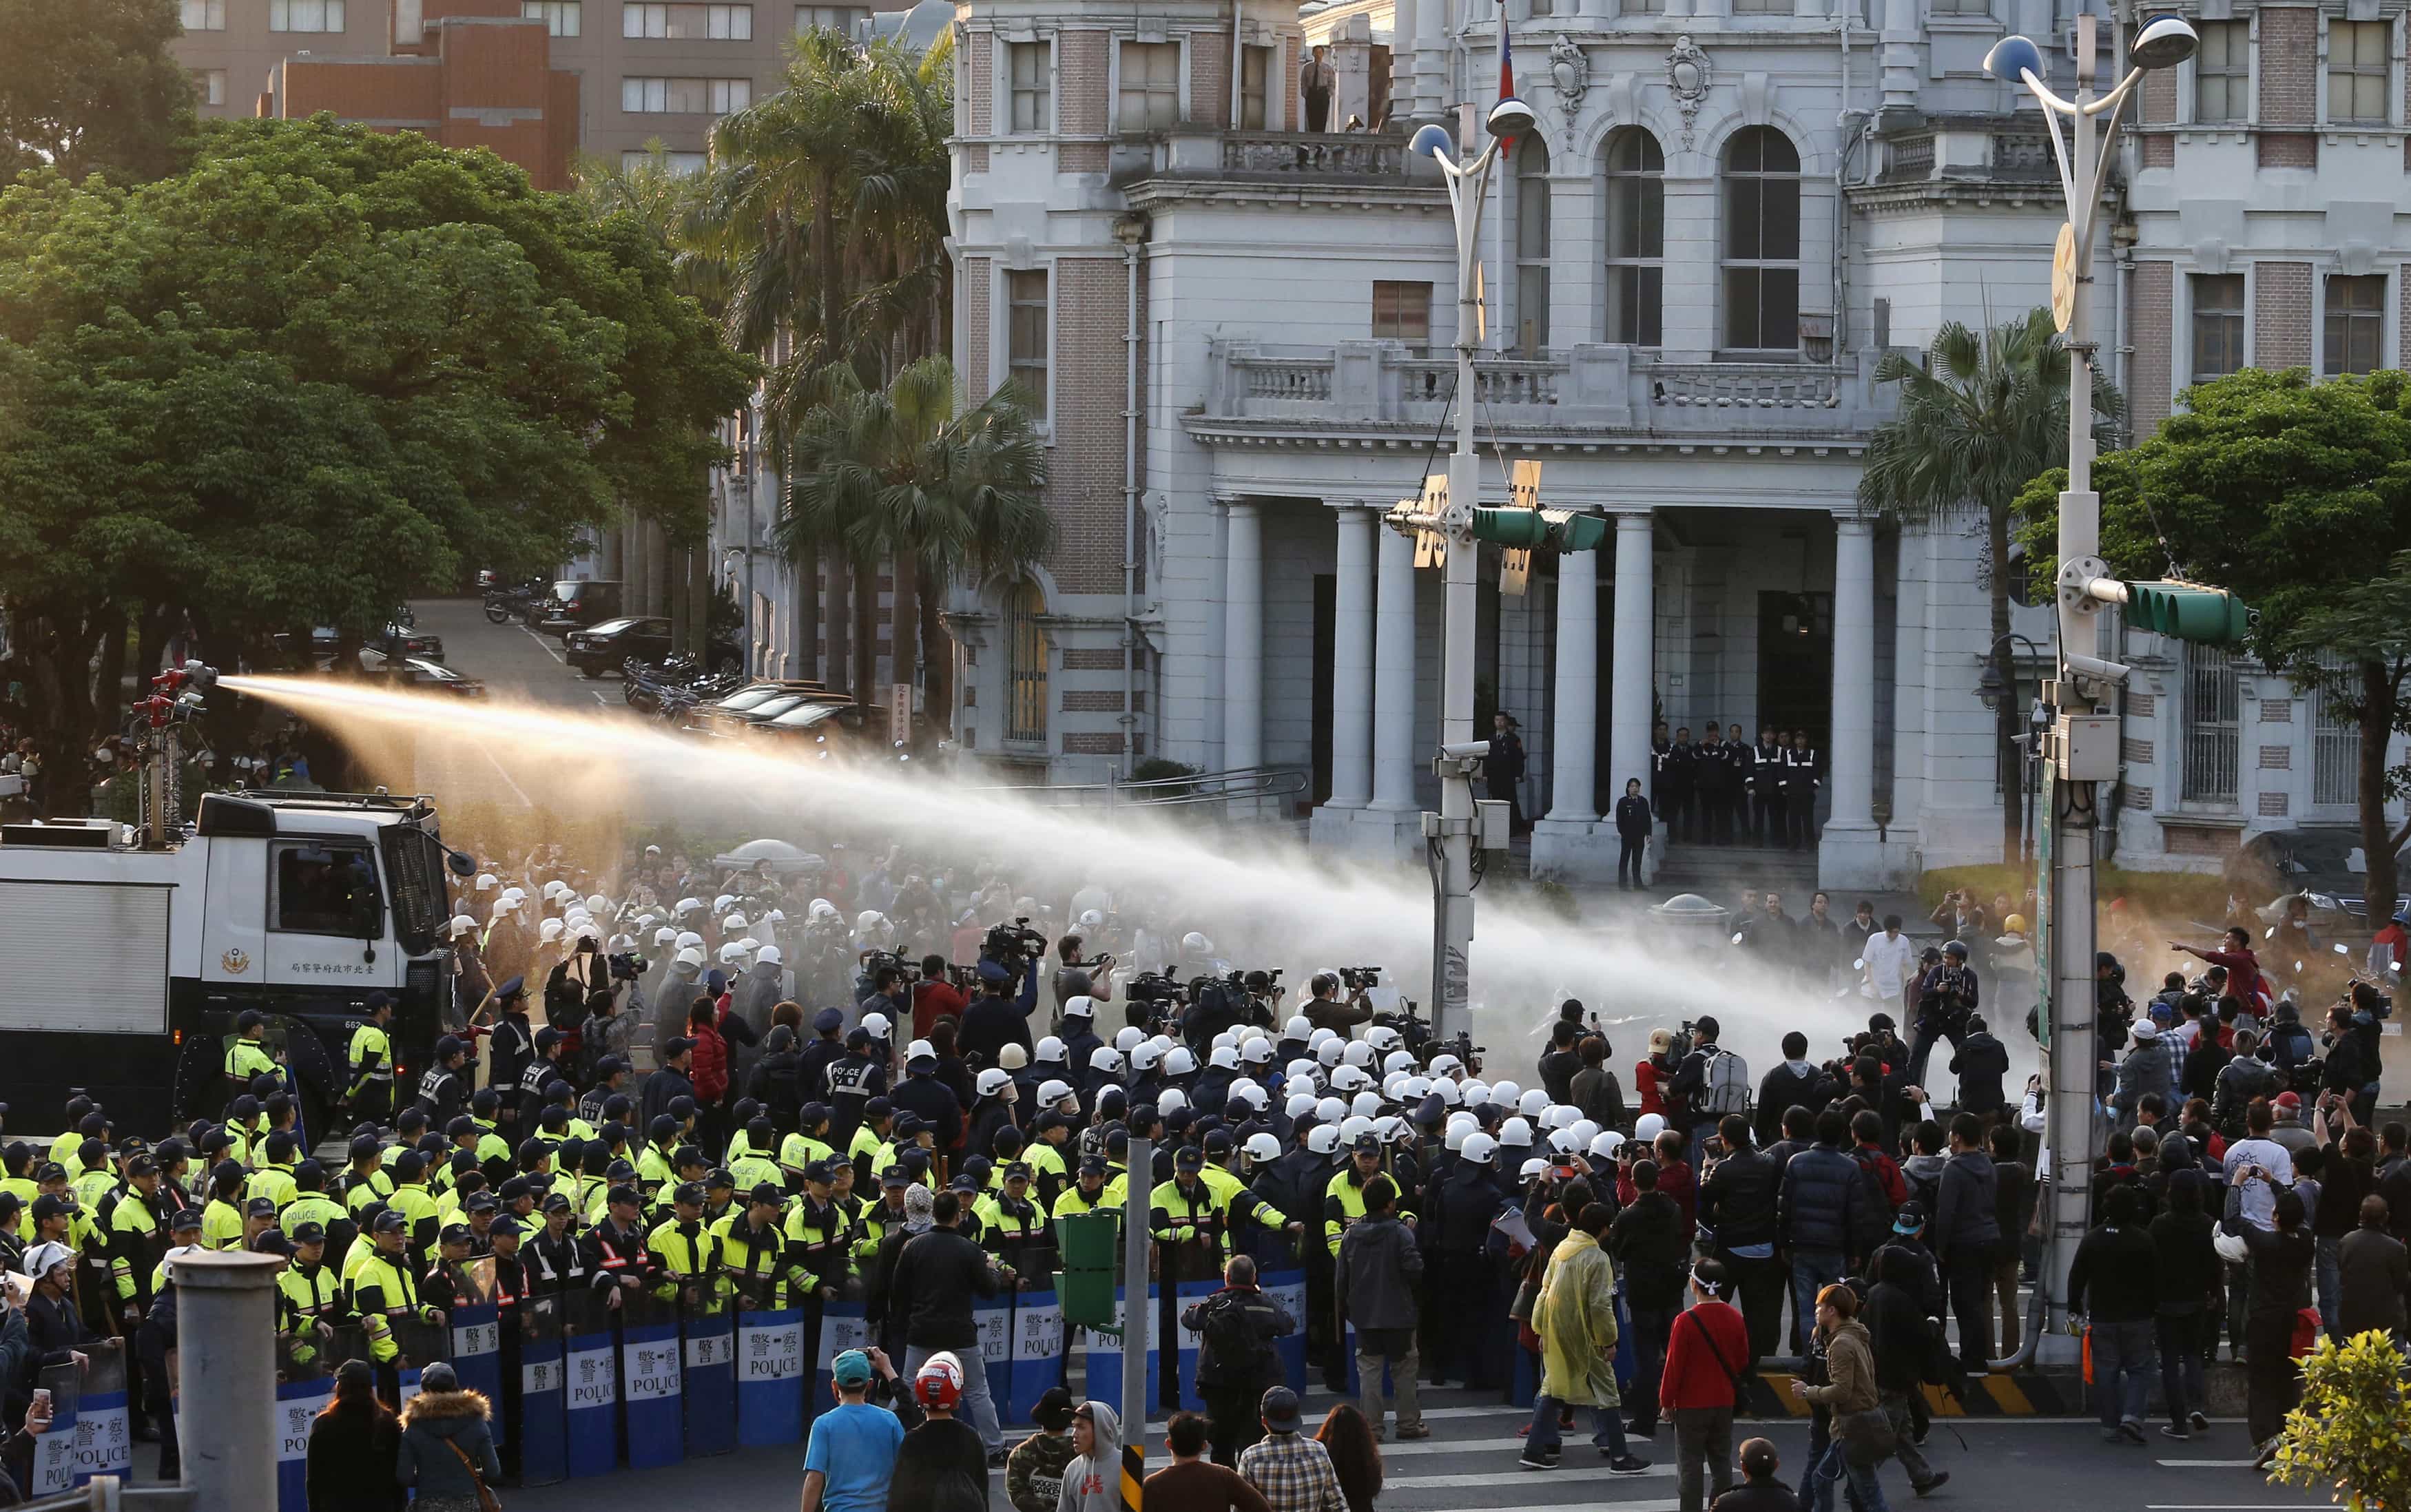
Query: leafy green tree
2352	1432
321	369
1980	417
2296	494
897	472
90	86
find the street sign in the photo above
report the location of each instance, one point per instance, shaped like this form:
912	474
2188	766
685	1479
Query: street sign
1431	548
900	714
1523	492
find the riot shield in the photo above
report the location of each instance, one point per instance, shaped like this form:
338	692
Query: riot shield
305	1383
535	1393
421	1343
103	1426
589	1363
476	1342
707	1328
651	1384
771	1377
54	1449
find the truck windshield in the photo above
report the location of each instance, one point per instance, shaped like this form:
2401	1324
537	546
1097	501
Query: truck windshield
326	890
414	860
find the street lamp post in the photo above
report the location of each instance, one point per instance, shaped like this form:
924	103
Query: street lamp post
2084	746
1452	830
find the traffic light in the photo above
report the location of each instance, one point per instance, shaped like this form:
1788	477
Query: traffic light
1553	530
2188	611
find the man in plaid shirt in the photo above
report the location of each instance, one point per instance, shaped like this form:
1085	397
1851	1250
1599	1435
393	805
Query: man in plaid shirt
1293	1473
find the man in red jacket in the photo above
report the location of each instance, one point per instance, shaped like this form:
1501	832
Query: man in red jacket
1702	1383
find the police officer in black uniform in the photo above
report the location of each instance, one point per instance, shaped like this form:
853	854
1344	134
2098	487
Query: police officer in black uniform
1801	781
1766	823
1710	765
1678	772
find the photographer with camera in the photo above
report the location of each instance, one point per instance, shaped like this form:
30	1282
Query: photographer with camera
997	1018
1080	975
1946	993
1325	1009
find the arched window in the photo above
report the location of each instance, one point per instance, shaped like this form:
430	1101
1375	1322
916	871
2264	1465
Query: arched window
1024	664
1762	243
1636	239
1531	246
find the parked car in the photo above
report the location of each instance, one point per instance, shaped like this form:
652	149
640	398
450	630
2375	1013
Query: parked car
599	648
421	672
397	633
2327	864
574	604
751	704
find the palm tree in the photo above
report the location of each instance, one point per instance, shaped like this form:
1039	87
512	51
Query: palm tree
897	474
1979	419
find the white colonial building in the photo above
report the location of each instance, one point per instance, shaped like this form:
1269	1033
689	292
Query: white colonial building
1238	316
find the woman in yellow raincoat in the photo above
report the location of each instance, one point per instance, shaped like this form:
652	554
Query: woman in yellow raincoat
1575	1317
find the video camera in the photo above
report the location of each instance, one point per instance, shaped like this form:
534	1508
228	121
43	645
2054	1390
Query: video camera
1360	978
627	966
1012	946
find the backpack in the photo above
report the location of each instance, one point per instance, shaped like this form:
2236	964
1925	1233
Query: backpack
1227	1334
1725	1088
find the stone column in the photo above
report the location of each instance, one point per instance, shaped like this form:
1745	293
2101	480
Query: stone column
1394	677
1849	854
1243	637
1574	735
1635	651
1351	661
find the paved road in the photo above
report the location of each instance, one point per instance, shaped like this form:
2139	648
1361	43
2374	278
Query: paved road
2011	1464
510	656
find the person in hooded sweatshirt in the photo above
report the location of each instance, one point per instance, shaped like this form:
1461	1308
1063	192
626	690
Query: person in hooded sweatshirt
1797	1083
1979	1063
1966	1235
1092	1481
440	1419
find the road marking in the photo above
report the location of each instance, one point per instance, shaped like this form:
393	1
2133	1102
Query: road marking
1492	1477
600	698
541	645
1655	1504
2210	1464
487	753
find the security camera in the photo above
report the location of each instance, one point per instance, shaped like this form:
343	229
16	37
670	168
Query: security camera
1464	751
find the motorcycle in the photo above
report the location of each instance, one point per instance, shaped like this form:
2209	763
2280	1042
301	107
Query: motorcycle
506	602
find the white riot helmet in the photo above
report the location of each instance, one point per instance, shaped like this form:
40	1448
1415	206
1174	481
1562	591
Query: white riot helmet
586	929
1348	1079
1299	1027
689	940
1299	1105
554	889
1319	1037
1584	1131
1563	1142
1506	1094
1304	1071
1328	1052
1365	1105
1648	1127
1417	1089
821	909
1445	1090
463	924
1562	1116
691	957
1144	1057
1446	1065
1383	1038
1479	1148
596	903
1051	1092
869	923
1256	1051
1261	1148
666	936
1398	1061
1228	1039
1515	1134
1533	1168
1394	1085
1353	1128
1225	1058
1082	1007
549	931
1247	1092
771	955
1181	1060
1170	1101
992	1081
734	924
1128	1037
1049	1051
1533	1103
1453	1139
1464	1123
1196	945
1330	1110
1605	1145
732	953
1388	1127
719	903
749	944
919	1050
1322	1139
517	894
875	1025
1357	1053
486	881
776	916
1476	1093
1106	1058
501	906
687	905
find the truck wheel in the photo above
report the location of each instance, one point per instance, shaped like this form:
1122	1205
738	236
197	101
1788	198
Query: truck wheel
199	1088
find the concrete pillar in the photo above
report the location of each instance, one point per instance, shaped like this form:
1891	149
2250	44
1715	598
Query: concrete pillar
1394	677
1849	853
1243	637
1635	651
225	1377
1351	661
1573	737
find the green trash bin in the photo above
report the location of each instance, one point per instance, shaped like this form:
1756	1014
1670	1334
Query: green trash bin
1090	1245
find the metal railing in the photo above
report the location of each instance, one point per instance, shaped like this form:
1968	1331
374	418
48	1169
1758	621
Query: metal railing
1355	155
1237	785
